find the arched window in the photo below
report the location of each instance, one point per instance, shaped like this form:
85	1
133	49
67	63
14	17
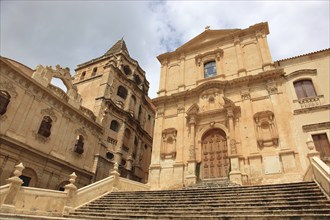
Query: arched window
122	92
82	76
45	126
4	101
137	79
127	70
304	88
127	137
210	69
132	104
114	125
94	71
79	146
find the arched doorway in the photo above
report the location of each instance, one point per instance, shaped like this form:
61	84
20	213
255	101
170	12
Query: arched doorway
215	162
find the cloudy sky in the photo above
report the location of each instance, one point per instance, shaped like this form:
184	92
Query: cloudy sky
72	32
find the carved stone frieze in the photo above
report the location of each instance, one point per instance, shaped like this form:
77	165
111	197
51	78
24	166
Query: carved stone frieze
316	127
81	131
9	87
49	112
212	55
211	99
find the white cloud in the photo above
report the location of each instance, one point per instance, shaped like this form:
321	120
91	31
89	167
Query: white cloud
72	32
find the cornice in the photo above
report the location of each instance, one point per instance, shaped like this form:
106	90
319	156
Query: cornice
222	85
311	109
324	51
302	72
17	144
254	29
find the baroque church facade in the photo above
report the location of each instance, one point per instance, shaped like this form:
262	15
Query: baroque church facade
225	109
104	117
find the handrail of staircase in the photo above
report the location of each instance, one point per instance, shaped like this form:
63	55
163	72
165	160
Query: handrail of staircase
321	174
93	191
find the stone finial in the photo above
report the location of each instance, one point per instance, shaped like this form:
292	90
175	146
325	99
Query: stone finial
115	167
73	178
18	172
19	168
71	185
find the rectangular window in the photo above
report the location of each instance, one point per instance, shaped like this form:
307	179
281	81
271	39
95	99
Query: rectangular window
322	145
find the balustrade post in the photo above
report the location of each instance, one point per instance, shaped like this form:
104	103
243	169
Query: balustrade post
15	184
115	175
71	191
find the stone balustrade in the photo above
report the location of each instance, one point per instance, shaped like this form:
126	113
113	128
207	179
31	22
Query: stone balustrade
15	198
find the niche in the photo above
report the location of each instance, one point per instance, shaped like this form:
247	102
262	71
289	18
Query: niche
267	135
168	150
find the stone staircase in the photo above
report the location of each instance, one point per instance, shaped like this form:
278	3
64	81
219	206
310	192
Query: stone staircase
282	201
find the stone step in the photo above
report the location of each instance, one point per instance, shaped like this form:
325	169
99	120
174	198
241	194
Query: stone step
214	193
282	201
215	198
222	189
210	208
208	205
210	213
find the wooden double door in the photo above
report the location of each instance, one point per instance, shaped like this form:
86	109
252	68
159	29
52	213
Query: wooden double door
215	162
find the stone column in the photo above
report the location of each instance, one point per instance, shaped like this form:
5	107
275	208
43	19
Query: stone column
128	100
15	183
235	173
118	150
71	191
129	166
265	55
182	73
241	69
191	173
162	81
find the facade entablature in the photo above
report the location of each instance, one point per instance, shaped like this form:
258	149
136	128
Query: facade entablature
302	72
222	85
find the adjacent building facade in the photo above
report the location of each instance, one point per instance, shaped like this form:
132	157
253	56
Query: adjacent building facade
104	117
225	109
115	88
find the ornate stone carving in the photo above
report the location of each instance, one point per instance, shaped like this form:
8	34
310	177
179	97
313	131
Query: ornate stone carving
168	150
316	127
81	131
212	55
245	95
9	87
211	99
233	147
49	112
266	129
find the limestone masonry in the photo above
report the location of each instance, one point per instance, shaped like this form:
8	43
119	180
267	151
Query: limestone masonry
224	109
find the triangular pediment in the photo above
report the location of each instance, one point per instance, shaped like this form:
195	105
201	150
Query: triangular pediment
206	37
